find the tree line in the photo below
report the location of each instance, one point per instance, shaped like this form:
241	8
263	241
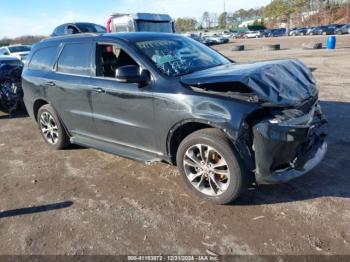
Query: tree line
24	40
276	10
213	20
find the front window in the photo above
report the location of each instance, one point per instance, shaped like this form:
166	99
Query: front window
20	48
109	58
148	26
180	56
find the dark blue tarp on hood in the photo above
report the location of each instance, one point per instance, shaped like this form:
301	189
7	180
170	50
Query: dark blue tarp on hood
281	82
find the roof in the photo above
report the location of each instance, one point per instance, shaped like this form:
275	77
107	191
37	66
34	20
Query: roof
78	23
126	37
140	36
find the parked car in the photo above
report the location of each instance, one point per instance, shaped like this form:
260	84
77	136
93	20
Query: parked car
345	29
265	33
19	51
252	34
215	39
140	22
11	94
299	31
323	30
234	34
197	38
278	32
165	97
240	35
309	30
78	28
226	34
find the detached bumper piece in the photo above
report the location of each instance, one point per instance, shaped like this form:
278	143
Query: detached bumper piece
289	145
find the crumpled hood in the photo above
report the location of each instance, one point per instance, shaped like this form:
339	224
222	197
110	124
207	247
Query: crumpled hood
281	82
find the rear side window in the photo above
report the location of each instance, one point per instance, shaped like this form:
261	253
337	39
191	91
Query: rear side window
75	59
43	58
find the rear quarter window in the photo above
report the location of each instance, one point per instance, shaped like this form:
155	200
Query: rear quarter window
43	58
75	59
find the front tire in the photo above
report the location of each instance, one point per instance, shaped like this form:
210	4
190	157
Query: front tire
210	167
51	128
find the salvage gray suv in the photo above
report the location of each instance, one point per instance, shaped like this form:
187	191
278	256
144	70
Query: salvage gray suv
164	97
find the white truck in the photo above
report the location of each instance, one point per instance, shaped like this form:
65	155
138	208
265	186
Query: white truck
19	51
140	22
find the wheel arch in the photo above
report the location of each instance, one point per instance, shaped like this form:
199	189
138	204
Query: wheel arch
186	127
38	103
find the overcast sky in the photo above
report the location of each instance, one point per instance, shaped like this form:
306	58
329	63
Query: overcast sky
40	17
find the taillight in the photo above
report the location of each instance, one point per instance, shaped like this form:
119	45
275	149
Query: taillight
108	25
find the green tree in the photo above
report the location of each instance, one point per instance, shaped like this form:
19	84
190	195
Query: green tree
186	24
278	8
223	20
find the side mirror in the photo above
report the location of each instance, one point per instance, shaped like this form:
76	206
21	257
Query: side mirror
133	74
128	74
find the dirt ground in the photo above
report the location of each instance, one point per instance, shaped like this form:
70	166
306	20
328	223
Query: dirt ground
82	201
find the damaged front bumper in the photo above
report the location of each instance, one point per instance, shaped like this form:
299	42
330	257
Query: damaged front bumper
289	145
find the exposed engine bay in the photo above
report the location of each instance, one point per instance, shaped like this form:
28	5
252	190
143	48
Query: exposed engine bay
11	93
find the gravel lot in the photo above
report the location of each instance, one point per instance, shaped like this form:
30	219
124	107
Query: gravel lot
103	204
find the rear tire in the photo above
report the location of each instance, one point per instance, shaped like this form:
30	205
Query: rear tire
210	166
51	128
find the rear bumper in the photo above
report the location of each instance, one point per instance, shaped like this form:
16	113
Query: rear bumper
289	149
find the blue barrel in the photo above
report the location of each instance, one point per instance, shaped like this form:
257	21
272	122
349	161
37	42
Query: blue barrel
331	41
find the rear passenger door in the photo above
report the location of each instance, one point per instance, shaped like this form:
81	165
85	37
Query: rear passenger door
69	87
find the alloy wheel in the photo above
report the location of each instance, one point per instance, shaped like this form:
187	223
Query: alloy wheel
49	127
206	170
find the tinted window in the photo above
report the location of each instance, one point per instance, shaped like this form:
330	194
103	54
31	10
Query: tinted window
147	26
43	58
72	30
91	28
75	59
59	30
20	48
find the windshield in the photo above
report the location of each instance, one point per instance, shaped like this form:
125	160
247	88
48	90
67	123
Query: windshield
180	56
149	26
20	48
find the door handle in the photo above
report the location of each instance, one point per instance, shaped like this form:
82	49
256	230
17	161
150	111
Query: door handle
99	90
50	83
